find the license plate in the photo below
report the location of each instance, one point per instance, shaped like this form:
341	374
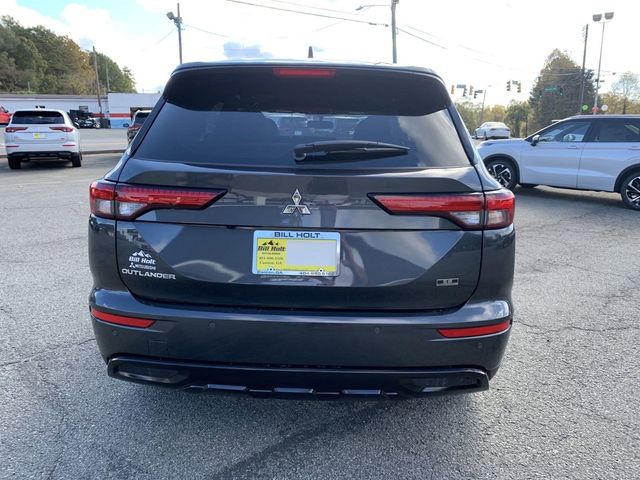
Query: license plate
300	253
38	135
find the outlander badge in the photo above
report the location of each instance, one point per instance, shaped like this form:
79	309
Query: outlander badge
300	207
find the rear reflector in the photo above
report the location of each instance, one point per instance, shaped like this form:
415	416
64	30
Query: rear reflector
126	202
468	210
474	331
14	129
305	72
122	320
62	129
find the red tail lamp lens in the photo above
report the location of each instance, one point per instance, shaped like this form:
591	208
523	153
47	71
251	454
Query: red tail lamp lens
475	331
122	320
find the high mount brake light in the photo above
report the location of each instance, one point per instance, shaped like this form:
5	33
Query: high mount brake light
126	202
475	210
304	72
14	129
475	331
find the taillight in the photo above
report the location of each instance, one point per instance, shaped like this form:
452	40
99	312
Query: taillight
121	319
62	129
126	202
304	72
14	129
500	207
475	331
468	210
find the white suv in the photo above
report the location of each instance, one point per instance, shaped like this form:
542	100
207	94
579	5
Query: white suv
41	133
584	152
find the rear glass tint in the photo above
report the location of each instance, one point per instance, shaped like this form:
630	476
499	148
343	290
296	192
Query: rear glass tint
253	117
37	117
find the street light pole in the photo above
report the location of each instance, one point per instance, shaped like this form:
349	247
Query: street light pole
177	20
584	59
394	3
597	18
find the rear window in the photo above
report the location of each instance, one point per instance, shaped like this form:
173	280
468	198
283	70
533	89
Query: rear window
140	117
37	117
255	117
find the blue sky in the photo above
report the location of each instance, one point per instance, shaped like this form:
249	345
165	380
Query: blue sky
464	41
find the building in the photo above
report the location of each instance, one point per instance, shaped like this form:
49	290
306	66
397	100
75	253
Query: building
118	108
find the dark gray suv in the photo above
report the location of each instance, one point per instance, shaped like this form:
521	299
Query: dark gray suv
232	254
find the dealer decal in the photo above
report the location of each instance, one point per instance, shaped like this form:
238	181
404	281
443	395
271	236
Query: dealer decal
142	264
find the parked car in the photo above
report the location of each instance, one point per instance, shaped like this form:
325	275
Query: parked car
5	116
41	133
88	122
588	152
492	130
227	256
136	124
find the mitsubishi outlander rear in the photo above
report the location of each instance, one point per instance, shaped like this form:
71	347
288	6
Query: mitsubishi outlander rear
232	253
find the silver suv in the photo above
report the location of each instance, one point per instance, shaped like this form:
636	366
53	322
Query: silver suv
585	152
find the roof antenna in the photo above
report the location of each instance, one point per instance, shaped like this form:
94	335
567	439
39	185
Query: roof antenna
310	54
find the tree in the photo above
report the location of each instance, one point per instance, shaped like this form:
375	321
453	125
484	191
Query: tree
627	87
36	59
516	115
556	91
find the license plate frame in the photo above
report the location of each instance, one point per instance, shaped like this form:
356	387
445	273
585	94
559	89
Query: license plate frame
282	247
37	135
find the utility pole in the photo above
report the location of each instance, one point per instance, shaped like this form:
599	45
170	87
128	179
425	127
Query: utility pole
177	20
394	3
484	97
598	19
95	66
584	59
106	67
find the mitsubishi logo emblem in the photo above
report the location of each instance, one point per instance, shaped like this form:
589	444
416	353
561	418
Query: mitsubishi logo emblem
300	207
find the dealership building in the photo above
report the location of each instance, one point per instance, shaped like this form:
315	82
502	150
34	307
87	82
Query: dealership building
117	108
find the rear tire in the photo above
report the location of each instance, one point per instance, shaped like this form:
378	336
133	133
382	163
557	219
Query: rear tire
504	171
14	163
528	185
76	160
630	191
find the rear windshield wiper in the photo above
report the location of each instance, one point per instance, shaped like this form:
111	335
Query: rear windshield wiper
346	150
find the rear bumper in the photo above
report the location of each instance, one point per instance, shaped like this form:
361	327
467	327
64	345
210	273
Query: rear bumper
60	152
253	349
298	382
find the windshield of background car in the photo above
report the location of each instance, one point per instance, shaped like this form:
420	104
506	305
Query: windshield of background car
37	117
140	118
566	132
255	116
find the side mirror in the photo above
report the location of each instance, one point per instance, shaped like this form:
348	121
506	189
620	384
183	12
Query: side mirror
535	140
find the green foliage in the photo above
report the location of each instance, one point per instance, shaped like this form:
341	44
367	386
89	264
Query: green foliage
626	91
516	117
36	59
556	91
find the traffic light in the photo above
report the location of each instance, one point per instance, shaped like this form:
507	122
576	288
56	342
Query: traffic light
471	90
475	94
509	86
560	90
519	87
464	93
453	89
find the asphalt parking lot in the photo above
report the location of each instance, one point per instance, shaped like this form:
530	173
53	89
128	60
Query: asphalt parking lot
564	405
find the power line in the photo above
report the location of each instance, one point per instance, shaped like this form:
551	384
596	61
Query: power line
207	31
309	13
423	39
315	8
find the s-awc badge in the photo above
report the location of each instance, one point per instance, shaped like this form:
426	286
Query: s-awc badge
298	253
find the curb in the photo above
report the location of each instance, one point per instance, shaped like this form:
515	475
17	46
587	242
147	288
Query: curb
92	152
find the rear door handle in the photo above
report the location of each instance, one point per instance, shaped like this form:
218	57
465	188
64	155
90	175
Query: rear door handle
634	147
573	147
